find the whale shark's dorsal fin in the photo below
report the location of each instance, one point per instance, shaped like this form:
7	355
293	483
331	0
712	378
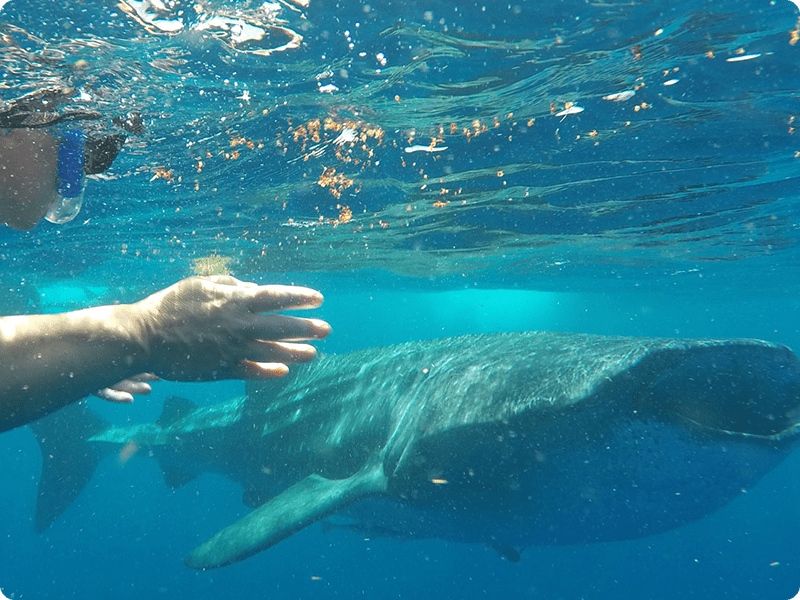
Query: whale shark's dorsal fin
304	503
175	408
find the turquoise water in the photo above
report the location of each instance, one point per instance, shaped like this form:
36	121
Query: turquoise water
671	213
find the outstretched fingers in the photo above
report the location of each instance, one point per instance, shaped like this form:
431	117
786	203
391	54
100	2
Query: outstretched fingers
272	298
254	370
123	391
277	352
269	360
287	329
219	327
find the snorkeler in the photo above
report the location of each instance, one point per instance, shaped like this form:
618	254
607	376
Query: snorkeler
42	177
199	329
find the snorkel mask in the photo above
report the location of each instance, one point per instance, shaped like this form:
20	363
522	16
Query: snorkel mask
78	156
70	179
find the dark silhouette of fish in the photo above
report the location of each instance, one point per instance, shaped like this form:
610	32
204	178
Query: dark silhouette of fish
509	440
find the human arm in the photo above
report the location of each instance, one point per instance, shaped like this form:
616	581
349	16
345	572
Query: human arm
199	329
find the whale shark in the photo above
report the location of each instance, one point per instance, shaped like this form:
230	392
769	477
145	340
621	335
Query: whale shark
509	440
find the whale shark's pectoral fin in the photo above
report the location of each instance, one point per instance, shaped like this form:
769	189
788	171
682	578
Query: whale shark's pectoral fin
304	503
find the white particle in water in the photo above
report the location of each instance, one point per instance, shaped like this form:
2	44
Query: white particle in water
572	110
742	57
347	136
328	89
620	96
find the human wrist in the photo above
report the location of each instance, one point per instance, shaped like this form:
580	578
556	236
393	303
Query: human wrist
125	324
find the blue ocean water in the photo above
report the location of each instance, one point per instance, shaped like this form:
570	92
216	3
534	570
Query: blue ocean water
426	166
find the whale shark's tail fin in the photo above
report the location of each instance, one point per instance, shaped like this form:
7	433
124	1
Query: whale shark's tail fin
304	503
68	462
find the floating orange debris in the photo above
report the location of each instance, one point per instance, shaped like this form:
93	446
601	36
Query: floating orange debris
345	214
335	182
163	173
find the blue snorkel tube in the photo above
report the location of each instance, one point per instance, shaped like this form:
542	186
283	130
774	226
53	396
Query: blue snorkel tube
71	156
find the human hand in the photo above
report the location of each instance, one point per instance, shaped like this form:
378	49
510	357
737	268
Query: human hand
122	392
210	328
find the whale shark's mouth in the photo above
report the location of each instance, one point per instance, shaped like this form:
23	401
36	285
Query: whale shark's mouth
754	393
